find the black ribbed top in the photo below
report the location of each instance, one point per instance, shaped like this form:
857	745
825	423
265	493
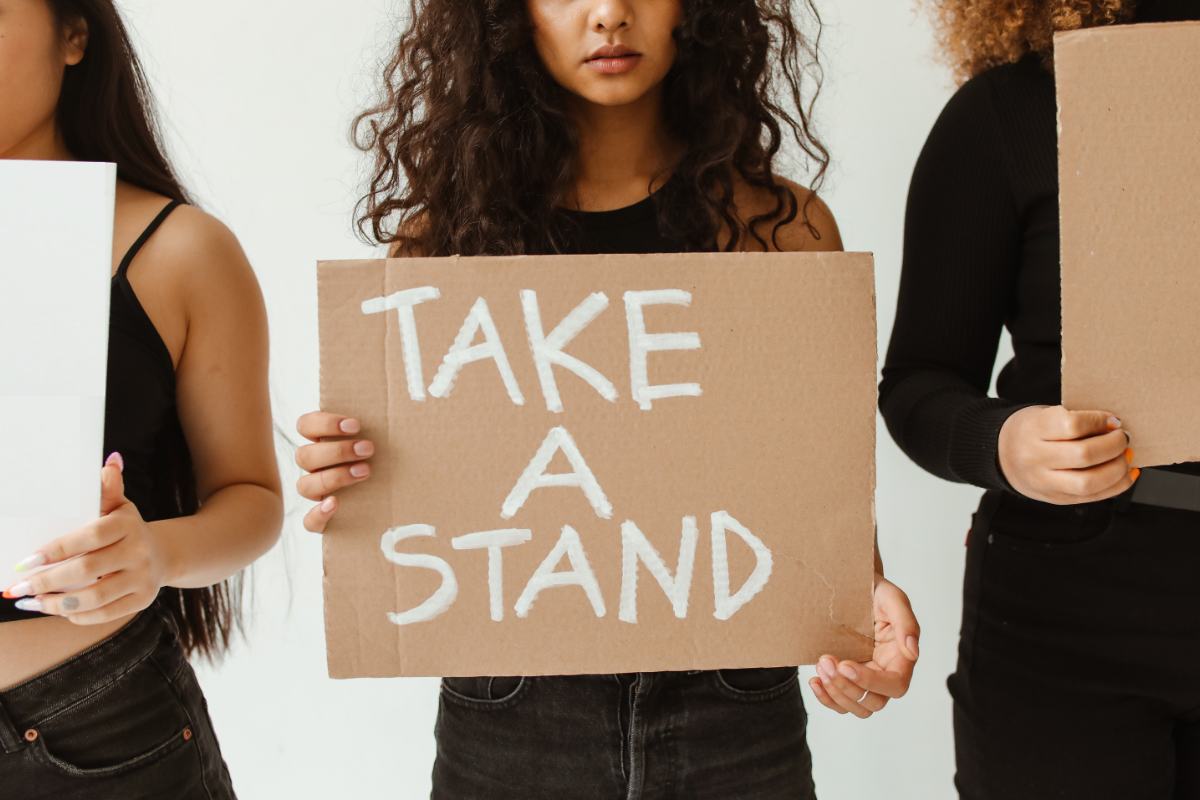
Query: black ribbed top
981	253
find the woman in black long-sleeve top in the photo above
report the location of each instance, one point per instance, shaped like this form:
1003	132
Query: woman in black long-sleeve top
1079	659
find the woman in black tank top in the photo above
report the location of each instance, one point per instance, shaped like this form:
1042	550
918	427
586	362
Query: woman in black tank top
605	127
97	698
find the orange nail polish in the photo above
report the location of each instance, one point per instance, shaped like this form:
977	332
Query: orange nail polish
1137	473
1129	456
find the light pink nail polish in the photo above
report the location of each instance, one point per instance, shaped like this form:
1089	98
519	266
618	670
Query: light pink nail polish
364	449
1113	423
360	470
33	562
848	671
327	504
30	604
912	646
350	426
116	458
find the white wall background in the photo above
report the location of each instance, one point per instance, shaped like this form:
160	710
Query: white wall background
258	96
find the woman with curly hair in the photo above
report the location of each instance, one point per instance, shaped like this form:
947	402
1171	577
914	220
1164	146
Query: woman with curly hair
1076	674
606	126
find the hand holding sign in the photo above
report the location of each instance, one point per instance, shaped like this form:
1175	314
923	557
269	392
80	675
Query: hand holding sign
863	689
331	465
117	560
1066	457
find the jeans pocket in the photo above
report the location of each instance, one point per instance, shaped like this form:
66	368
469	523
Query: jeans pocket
757	684
127	724
485	693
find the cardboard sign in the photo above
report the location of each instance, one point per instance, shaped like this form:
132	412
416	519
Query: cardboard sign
596	464
56	229
1129	166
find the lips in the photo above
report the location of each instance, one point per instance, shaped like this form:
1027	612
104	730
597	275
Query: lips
613	59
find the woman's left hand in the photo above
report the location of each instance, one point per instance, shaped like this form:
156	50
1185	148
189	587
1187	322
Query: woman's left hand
862	689
119	564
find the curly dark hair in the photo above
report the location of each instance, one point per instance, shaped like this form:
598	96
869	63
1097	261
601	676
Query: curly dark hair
474	153
976	35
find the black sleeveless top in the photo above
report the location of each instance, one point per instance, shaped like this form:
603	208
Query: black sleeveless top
140	418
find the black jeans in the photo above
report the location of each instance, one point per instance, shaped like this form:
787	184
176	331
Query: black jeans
651	736
123	720
1079	660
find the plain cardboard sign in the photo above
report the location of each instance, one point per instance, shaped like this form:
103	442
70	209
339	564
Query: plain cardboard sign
596	464
56	228
1129	165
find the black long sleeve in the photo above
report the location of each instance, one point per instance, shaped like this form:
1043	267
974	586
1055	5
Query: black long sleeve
980	252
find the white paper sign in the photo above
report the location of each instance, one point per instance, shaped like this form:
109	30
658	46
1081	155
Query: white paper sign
56	229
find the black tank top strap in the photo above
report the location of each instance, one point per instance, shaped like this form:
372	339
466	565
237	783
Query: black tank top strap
145	237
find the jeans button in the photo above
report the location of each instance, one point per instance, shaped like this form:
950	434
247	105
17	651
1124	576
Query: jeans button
30	735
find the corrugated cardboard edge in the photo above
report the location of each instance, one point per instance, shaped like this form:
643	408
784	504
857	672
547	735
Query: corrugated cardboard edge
1065	43
335	639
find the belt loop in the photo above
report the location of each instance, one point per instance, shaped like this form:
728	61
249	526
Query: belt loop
10	740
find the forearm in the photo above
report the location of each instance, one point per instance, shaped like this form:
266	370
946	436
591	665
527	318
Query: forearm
233	528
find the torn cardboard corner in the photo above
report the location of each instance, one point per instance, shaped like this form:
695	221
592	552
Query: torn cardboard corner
1129	167
598	464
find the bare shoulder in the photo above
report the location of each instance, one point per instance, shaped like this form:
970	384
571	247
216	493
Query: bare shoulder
794	236
412	230
196	250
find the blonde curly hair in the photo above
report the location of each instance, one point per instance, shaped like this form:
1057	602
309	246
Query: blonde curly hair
975	35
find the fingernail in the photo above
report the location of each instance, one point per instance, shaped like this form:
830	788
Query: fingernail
1113	423
31	603
364	449
22	589
33	562
350	426
848	671
327	504
912	646
115	458
1129	456
828	667
1137	473
360	470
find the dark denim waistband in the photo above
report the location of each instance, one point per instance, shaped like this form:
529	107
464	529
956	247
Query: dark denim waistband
81	675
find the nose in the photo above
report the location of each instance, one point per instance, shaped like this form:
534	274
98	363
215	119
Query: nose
611	15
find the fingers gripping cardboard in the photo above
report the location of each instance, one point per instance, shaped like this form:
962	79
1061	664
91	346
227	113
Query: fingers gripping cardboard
601	463
1129	166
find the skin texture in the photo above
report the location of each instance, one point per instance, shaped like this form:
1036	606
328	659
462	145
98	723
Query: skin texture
623	145
1066	457
201	294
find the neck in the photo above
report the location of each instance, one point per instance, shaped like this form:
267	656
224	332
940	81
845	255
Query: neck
44	143
622	149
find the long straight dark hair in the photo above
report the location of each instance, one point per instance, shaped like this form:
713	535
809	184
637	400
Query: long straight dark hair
106	113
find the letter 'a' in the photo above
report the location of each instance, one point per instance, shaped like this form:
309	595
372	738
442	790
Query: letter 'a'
535	476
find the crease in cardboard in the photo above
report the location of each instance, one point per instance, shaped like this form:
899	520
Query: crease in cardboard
832	598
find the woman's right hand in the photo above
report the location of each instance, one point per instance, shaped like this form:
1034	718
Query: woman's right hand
1066	457
330	465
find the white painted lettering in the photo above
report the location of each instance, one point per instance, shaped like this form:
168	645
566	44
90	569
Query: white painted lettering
635	545
727	606
548	350
463	353
494	541
403	302
642	343
535	476
580	575
446	594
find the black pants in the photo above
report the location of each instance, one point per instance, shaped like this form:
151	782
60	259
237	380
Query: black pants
124	720
727	735
1079	660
